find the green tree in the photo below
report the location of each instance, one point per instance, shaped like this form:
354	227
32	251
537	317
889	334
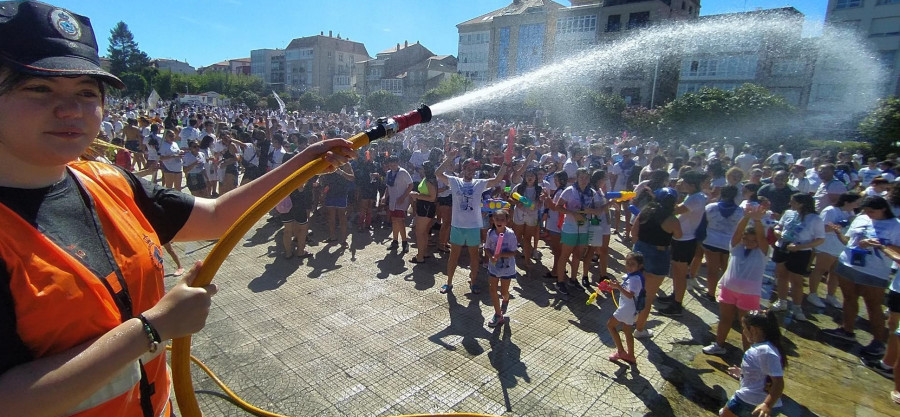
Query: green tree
641	120
248	98
882	127
310	100
383	103
345	99
123	52
606	110
449	87
750	111
135	85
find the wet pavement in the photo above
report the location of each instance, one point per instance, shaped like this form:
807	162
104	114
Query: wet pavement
360	331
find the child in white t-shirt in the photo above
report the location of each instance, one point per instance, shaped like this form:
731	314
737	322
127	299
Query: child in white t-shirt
629	294
501	264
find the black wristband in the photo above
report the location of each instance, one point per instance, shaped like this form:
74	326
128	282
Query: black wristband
151	331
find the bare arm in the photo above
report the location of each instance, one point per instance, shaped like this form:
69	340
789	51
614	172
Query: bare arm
210	218
73	375
493	182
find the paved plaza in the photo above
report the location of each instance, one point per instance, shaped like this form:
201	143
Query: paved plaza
359	331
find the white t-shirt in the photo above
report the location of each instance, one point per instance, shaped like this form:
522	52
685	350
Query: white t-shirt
745	162
874	263
621	176
402	180
834	187
696	204
169	149
833	246
152	153
187	134
744	273
504	267
760	361
575	200
627	311
720	229
795	230
189	159
466	209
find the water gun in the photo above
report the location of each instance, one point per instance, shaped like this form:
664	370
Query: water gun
603	286
499	246
522	199
620	196
490	206
510	145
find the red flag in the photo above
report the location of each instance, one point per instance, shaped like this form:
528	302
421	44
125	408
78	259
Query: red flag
510	140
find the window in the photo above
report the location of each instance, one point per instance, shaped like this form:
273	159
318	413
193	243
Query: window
638	20
885	26
614	23
503	53
576	24
632	96
888	59
787	68
880	2
844	4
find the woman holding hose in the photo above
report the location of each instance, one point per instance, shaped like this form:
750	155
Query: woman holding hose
83	307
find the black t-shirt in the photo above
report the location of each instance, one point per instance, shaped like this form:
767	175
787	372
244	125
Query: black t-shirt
64	217
780	199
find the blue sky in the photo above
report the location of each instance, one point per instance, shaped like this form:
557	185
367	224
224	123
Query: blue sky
203	32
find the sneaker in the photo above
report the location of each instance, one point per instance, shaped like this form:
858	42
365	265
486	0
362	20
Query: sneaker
815	300
895	396
666	299
405	246
834	302
878	366
673	310
585	282
503	306
643	334
840	333
780	305
714	349
874	349
573	282
695	284
561	288
496	321
393	245
797	313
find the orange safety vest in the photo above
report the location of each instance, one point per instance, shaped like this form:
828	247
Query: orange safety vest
59	303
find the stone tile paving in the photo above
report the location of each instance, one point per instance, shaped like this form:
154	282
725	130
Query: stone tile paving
358	331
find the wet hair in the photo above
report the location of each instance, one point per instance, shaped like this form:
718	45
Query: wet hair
637	257
596	176
767	321
728	193
562	177
876	202
205	142
524	184
498	212
659	209
428	170
846	198
894	195
658	179
807	203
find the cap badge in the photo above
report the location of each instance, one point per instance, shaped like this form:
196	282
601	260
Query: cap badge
65	24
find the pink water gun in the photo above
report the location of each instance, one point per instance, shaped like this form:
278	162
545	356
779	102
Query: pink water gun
499	247
510	145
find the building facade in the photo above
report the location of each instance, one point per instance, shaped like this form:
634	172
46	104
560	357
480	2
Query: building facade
407	70
172	65
527	34
268	64
325	64
240	66
878	21
780	60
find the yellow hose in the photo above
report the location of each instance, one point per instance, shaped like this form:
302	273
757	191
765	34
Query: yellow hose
181	347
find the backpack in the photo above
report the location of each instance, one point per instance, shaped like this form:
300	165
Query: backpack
641	300
285	206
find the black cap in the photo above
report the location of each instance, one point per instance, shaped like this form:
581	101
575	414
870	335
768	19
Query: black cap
47	41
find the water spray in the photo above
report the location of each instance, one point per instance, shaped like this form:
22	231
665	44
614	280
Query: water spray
181	347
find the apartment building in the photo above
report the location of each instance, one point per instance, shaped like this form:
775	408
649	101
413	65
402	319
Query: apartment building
326	64
406	70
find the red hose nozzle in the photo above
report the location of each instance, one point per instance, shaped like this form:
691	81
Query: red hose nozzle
419	115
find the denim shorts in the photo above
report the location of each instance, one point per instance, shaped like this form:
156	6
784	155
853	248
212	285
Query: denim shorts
742	409
656	261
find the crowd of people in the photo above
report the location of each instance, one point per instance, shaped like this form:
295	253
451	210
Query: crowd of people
820	216
84	307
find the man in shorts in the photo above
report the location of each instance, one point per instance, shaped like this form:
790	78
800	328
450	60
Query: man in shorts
465	219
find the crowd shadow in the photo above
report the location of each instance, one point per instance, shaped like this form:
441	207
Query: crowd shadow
640	387
506	357
325	260
685	380
274	276
461	320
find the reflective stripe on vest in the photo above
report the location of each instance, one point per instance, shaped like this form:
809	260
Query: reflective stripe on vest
122	383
